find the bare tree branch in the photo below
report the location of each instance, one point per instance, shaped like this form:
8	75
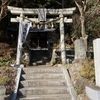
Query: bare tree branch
3	7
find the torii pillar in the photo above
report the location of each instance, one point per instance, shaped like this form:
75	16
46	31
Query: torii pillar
19	47
62	40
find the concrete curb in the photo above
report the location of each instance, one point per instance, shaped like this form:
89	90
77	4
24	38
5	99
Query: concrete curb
93	93
17	79
70	86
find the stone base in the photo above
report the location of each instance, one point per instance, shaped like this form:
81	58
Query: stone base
79	61
93	93
35	64
22	66
2	90
4	97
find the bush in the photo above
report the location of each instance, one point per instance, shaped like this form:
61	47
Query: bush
78	90
7	78
5	62
4	80
88	71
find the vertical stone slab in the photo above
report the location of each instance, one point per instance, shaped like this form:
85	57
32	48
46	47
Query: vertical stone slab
96	48
80	51
62	40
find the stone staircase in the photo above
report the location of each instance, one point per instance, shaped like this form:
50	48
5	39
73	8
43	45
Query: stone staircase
43	83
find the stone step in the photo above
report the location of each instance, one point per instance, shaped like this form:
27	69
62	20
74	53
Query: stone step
45	58
42	82
46	97
41	70
42	76
39	62
42	90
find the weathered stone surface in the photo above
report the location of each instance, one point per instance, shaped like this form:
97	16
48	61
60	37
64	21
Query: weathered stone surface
2	90
42	76
43	90
80	52
79	81
4	97
48	97
54	56
62	40
96	44
43	83
82	97
42	70
34	64
22	66
26	11
93	93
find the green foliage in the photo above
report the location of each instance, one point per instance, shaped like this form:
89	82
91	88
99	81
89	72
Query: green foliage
4	80
54	63
76	29
7	77
5	62
92	21
78	90
90	4
93	27
87	70
35	3
46	3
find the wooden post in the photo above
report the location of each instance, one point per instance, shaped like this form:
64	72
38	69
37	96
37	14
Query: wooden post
19	46
62	40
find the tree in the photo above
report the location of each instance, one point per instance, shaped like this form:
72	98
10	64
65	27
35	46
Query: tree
82	4
3	7
85	6
93	20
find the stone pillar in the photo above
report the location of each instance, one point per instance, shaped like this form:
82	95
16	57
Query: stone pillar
19	47
62	40
80	51
96	48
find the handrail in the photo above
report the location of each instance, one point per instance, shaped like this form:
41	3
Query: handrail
69	84
17	79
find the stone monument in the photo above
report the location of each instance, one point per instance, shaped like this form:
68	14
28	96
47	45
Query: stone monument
80	51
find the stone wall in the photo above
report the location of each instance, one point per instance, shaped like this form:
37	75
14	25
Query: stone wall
78	81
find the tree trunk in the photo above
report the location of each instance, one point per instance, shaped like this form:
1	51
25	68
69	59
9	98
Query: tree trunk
83	31
82	19
82	8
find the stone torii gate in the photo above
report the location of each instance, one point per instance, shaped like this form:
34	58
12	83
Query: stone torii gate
42	14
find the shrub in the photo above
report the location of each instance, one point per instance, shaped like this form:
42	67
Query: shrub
7	78
4	80
78	90
88	71
5	62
